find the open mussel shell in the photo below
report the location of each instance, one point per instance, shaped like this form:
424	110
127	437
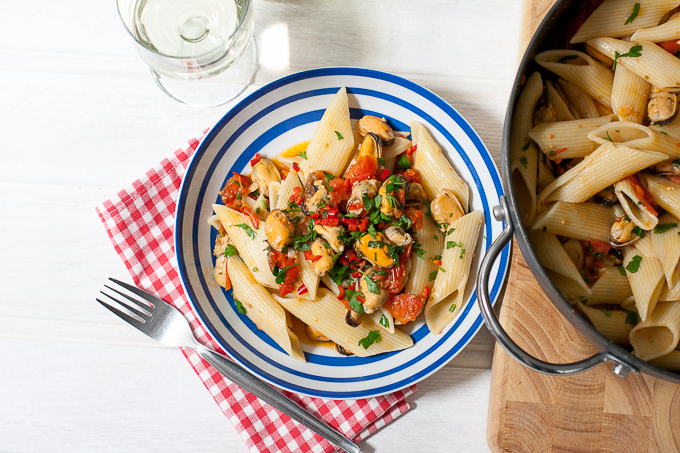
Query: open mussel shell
619	245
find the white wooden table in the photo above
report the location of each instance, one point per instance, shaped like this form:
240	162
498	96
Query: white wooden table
80	118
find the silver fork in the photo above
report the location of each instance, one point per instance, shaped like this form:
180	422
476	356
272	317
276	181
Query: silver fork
163	322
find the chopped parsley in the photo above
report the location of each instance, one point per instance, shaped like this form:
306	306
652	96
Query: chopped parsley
634	52
328	176
433	275
255	269
634	264
371	230
371	285
664	133
606	312
427	205
452	244
372	337
280	274
622	271
354	303
631	317
663	227
452	308
239	306
524	161
248	230
339	274
636	11
420	252
384	322
230	250
638	232
436	238
403	162
303	154
340	137
545	228
609	137
526	147
375	244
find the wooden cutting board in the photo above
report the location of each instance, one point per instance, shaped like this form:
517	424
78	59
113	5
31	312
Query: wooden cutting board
595	411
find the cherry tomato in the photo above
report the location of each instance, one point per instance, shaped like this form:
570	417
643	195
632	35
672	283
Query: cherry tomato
595	253
643	194
416	218
670	46
404	307
283	261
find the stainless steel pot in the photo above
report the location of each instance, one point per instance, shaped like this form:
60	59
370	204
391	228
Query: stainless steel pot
551	34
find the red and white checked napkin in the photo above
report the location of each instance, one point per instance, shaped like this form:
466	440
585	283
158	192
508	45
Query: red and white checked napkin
139	221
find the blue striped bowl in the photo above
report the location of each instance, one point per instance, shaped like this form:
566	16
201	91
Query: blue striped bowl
272	119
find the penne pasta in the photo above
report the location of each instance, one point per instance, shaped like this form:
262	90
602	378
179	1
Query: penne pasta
666	243
611	288
435	170
448	292
582	221
665	193
629	95
670	31
612	18
400	145
654	64
636	136
581	70
584	105
262	309
633	206
431	242
552	256
251	243
557	100
333	141
646	279
596	172
670	361
659	334
613	324
287	188
523	153
327	315
567	139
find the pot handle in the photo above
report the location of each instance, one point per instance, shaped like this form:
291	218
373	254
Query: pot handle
502	213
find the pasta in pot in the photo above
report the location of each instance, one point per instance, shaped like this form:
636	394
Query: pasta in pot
354	233
604	223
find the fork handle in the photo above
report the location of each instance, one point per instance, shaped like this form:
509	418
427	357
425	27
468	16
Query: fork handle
265	392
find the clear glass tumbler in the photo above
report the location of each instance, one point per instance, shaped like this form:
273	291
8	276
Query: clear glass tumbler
193	46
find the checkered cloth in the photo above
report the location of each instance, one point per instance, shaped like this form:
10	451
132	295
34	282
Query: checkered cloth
140	222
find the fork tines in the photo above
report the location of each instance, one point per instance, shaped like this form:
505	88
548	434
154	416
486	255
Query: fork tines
130	309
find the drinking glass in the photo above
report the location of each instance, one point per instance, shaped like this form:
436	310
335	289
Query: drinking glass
193	47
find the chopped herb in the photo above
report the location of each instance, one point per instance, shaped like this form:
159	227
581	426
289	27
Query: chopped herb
452	308
354	303
303	154
255	269
230	250
403	162
239	306
372	337
340	137
634	52
384	322
379	272
339	273
326	244
664	133
238	195
631	317
436	238
626	218
526	147
524	161
639	203
328	176
405	221
427	205
609	137
634	264
375	244
381	161
622	271
636	11
462	252
371	230
606	312
420	252
663	227
638	232
248	230
442	269
433	275
452	244
545	228
566	58
280	274
450	231
371	285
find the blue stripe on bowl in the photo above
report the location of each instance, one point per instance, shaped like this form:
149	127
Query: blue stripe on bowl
241	162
